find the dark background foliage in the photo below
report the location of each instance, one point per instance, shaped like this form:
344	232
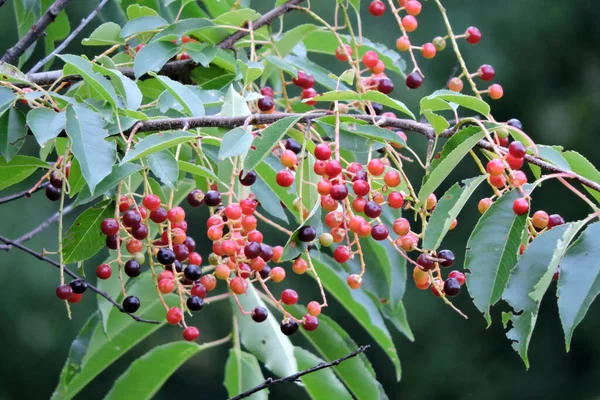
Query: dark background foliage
545	55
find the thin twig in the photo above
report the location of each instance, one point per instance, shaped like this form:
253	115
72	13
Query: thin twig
35	32
69	38
74	276
29	235
25	193
294	378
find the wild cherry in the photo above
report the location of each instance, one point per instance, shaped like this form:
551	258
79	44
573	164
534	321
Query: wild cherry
289	297
322	152
473	35
293	145
259	314
151	202
339	192
521	206
372	209
267	91
425	262
174	315
131	304
176	214
56	180
517	149
447	256
377	8
103	271
238	285
555	220
515	123
288	327
343	53
495	167
195	198
486	72
414	80
192	272
459	276
513	162
341	254
409	23
195	303
266	104
199	290
310	323
413	7
113	242
385	86
309	94
401	226
403	43
247	179
304	80
63	292
132	218
495	91
370	59
53	193
395	200
307	234
451	287
165	256
133	268
354	281
539	219
140	232
277	274
191	333
158	216
428	50
75	298
212	198
456	85
284	178
379	232
314	308
109	226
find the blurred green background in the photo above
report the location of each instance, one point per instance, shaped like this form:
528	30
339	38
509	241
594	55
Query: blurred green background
546	57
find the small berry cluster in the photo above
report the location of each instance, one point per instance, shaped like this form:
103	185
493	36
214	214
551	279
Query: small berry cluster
54	189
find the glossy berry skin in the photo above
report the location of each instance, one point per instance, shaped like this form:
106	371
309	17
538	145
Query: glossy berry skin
517	149
495	167
425	262
513	162
151	202
192	272
267	91
377	8
252	250
428	50
158	216
486	72
459	276
413	7
307	234
113	242
266	104
191	333
103	271
323	152
132	218
456	85
409	23
521	206
131	304
63	292
372	209
304	80
309	94
447	256
341	254
288	327
473	35
195	303
342	55
212	198
414	80
403	43
78	286
354	281
339	192
310	323
314	308
451	287
539	219
515	123
109	226
53	193
555	220
259	314
165	256
176	214
289	297
247	179
370	59
495	91
238	285
284	178
174	315
140	232
385	86
395	200
379	232
195	198
293	145
133	268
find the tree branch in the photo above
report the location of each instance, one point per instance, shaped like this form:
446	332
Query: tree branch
173	68
74	276
25	193
35	32
405	124
293	378
29	235
69	38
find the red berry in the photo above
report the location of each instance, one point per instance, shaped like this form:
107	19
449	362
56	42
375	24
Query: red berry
277	274
238	285
333	168
425	262
158	216
409	23
486	72
496	91
289	297
284	178
309	94
361	188
517	149
310	323
521	206
372	209
395	200
342	55
75	298
176	214
174	315
459	276
267	91
401	226
428	50
514	163
495	167
198	290
370	59
339	192
63	292
304	80
473	35
166	286
151	202
103	271
376	167
322	152
414	80
498	181
413	7
341	254
324	187
392	178
377	8
385	86
191	333
555	220
266	104
379	232
403	43
109	226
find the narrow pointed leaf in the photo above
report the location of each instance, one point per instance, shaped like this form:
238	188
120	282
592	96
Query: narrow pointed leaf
431	102
81	66
84	238
157	142
191	104
18	169
12	133
153	57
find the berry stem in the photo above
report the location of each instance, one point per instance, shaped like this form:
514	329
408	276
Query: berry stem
404	33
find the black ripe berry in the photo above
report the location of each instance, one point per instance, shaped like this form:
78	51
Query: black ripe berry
288	327
195	303
192	272
451	287
307	234
212	198
447	256
248	179
377	107
259	314
424	262
266	252
165	256
266	271
293	145
176	265
52	193
132	218
78	285
133	268
252	250
113	242
131	304
56	180
266	104
414	80
515	123
195	198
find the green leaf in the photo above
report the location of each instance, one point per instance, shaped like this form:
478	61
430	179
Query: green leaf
142	24
107	34
101	85
164	165
199	170
579	280
268	139
267	173
27	13
84	238
339	95
279	63
136	11
95	155
268	199
242	373
157	142
46	124
235	143
332	342
184	95
250	70
385	100
118	173
373	132
432	102
398	319
123	333
581	165
153	57
358	304
201	53
438	122
124	86
531	278
447	209
455	149
7	97
552	154
492	252
147	374
12	133
320	384
19	168
292	37
234	105
265	340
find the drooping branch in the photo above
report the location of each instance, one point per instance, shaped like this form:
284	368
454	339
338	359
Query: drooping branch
24	193
405	124
69	38
73	275
35	32
294	378
176	67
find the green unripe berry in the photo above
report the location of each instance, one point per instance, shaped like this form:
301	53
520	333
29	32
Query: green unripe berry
139	257
326	239
214	259
439	43
502	133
